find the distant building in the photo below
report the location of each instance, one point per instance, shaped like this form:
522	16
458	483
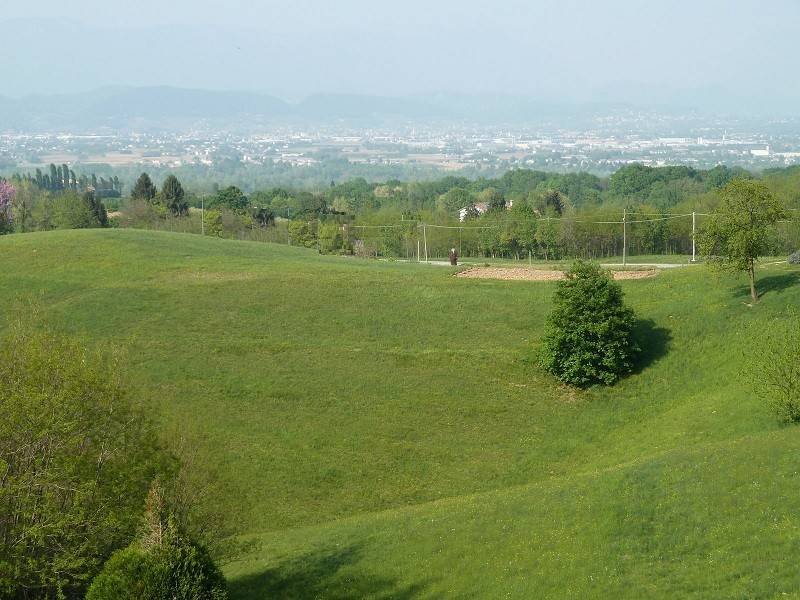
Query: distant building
480	207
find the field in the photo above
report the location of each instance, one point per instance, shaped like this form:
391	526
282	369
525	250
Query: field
382	430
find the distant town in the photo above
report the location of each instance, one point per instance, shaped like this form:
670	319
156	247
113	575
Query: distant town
600	146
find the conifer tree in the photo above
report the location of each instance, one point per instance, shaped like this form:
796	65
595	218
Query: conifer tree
172	195
144	189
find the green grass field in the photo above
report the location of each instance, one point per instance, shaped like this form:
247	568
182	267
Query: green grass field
383	431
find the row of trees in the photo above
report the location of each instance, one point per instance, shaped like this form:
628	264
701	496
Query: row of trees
26	207
60	178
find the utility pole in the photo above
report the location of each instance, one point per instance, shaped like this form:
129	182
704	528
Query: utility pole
425	237
694	228
625	236
202	215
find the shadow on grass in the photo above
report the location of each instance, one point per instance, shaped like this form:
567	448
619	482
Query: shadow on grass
322	574
772	284
654	342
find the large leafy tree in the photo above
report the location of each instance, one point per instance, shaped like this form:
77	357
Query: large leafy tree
144	189
233	198
589	335
742	228
455	199
172	195
76	459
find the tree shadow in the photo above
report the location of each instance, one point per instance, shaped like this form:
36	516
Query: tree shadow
772	284
654	342
328	573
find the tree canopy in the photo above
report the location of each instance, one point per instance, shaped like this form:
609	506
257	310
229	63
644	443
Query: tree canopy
77	458
742	228
589	333
172	196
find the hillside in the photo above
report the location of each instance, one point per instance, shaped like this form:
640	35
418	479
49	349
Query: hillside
383	430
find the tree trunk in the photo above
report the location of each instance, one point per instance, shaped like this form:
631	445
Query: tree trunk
753	292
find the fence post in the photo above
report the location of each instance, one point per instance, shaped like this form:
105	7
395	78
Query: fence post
625	237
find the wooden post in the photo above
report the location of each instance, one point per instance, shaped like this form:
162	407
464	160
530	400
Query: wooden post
625	237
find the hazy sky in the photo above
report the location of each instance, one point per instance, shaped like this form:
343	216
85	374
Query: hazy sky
578	50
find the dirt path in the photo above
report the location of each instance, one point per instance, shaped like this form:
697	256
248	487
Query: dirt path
525	274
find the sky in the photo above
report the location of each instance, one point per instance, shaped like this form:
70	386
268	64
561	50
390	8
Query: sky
570	50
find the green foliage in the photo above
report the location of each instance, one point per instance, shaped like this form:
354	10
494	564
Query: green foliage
456	199
263	216
303	233
775	366
547	238
331	240
212	221
742	229
162	564
76	456
589	333
62	178
144	189
173	196
553	202
637	179
232	198
493	198
97	208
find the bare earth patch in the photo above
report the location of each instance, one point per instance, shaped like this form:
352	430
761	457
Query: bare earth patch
525	274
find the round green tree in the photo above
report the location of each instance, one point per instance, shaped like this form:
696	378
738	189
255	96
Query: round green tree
589	333
742	228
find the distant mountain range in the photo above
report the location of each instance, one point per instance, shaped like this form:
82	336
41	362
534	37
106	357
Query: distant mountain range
171	108
504	74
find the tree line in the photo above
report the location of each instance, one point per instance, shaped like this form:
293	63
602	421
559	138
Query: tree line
519	214
61	177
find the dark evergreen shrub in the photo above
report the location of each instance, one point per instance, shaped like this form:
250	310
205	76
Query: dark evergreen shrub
588	337
162	564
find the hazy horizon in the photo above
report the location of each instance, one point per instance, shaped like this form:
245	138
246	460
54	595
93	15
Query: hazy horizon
686	53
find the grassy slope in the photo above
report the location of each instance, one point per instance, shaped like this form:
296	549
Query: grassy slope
384	428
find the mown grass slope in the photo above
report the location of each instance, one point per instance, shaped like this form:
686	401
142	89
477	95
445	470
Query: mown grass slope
383	430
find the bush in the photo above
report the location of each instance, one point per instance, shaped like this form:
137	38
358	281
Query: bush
776	366
163	563
77	457
794	258
212	221
177	569
303	233
588	338
331	240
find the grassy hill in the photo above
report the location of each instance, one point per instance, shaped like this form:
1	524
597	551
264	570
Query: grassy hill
382	428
